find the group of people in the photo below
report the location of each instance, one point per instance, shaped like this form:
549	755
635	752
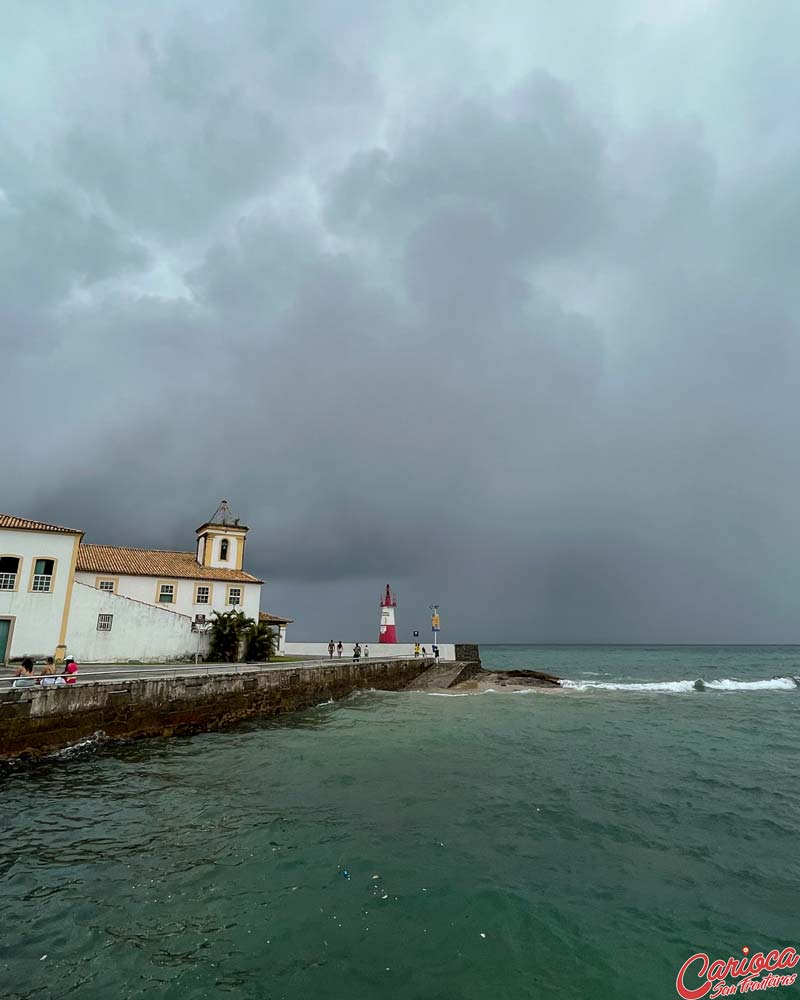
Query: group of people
25	677
358	650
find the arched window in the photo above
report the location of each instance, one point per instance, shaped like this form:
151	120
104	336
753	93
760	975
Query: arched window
223	549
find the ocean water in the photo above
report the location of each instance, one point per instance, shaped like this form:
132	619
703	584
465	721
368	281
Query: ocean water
576	844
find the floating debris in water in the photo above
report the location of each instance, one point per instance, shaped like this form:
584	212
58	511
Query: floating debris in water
345	873
43	958
483	935
375	876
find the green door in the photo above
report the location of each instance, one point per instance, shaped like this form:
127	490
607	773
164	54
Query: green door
5	628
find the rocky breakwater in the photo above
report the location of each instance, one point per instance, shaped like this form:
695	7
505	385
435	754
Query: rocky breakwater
36	721
470	677
509	680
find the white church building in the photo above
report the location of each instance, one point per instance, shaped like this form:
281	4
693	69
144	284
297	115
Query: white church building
105	603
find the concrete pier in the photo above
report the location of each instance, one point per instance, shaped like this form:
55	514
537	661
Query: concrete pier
36	721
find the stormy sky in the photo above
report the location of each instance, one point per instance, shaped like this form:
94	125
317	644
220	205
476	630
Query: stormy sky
494	302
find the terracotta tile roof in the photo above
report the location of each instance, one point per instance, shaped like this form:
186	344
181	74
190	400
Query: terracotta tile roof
23	524
152	562
263	616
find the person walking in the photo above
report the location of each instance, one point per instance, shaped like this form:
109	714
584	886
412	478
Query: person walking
424	653
331	648
366	650
25	678
356	652
339	648
435	650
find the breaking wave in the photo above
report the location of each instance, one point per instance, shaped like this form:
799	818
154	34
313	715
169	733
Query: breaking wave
686	687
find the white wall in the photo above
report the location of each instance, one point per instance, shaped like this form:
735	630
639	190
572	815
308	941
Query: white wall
144	588
447	650
139	631
37	616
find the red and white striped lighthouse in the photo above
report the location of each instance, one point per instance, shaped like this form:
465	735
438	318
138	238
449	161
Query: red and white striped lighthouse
388	632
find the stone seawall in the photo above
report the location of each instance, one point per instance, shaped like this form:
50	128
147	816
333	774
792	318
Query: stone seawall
38	721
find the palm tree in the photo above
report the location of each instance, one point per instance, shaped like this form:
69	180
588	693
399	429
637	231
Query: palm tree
262	642
227	632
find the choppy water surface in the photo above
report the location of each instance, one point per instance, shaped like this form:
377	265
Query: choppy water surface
576	844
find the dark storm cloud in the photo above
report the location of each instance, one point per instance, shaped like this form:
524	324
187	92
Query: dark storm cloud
499	308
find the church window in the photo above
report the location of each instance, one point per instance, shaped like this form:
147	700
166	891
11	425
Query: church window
166	593
9	567
223	549
202	595
104	623
42	579
234	595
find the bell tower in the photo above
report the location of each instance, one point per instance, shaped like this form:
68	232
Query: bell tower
220	541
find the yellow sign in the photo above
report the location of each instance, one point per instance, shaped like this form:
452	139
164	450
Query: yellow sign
434	621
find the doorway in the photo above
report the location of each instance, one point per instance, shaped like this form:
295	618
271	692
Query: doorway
6	631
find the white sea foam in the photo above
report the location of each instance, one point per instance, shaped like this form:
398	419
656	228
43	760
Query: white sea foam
665	687
773	684
685	687
87	743
446	694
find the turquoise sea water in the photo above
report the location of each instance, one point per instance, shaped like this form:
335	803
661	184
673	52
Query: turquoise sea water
576	844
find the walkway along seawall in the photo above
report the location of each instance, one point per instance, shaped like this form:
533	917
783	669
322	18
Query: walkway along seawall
35	721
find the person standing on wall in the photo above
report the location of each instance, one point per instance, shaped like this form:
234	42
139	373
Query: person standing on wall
331	648
366	651
416	650
339	648
356	652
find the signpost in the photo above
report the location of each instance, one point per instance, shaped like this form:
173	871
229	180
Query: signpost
434	609
199	625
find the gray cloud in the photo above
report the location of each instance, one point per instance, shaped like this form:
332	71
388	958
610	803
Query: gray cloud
496	307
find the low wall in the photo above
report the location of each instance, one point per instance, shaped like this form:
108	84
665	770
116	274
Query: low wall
39	720
138	631
447	650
